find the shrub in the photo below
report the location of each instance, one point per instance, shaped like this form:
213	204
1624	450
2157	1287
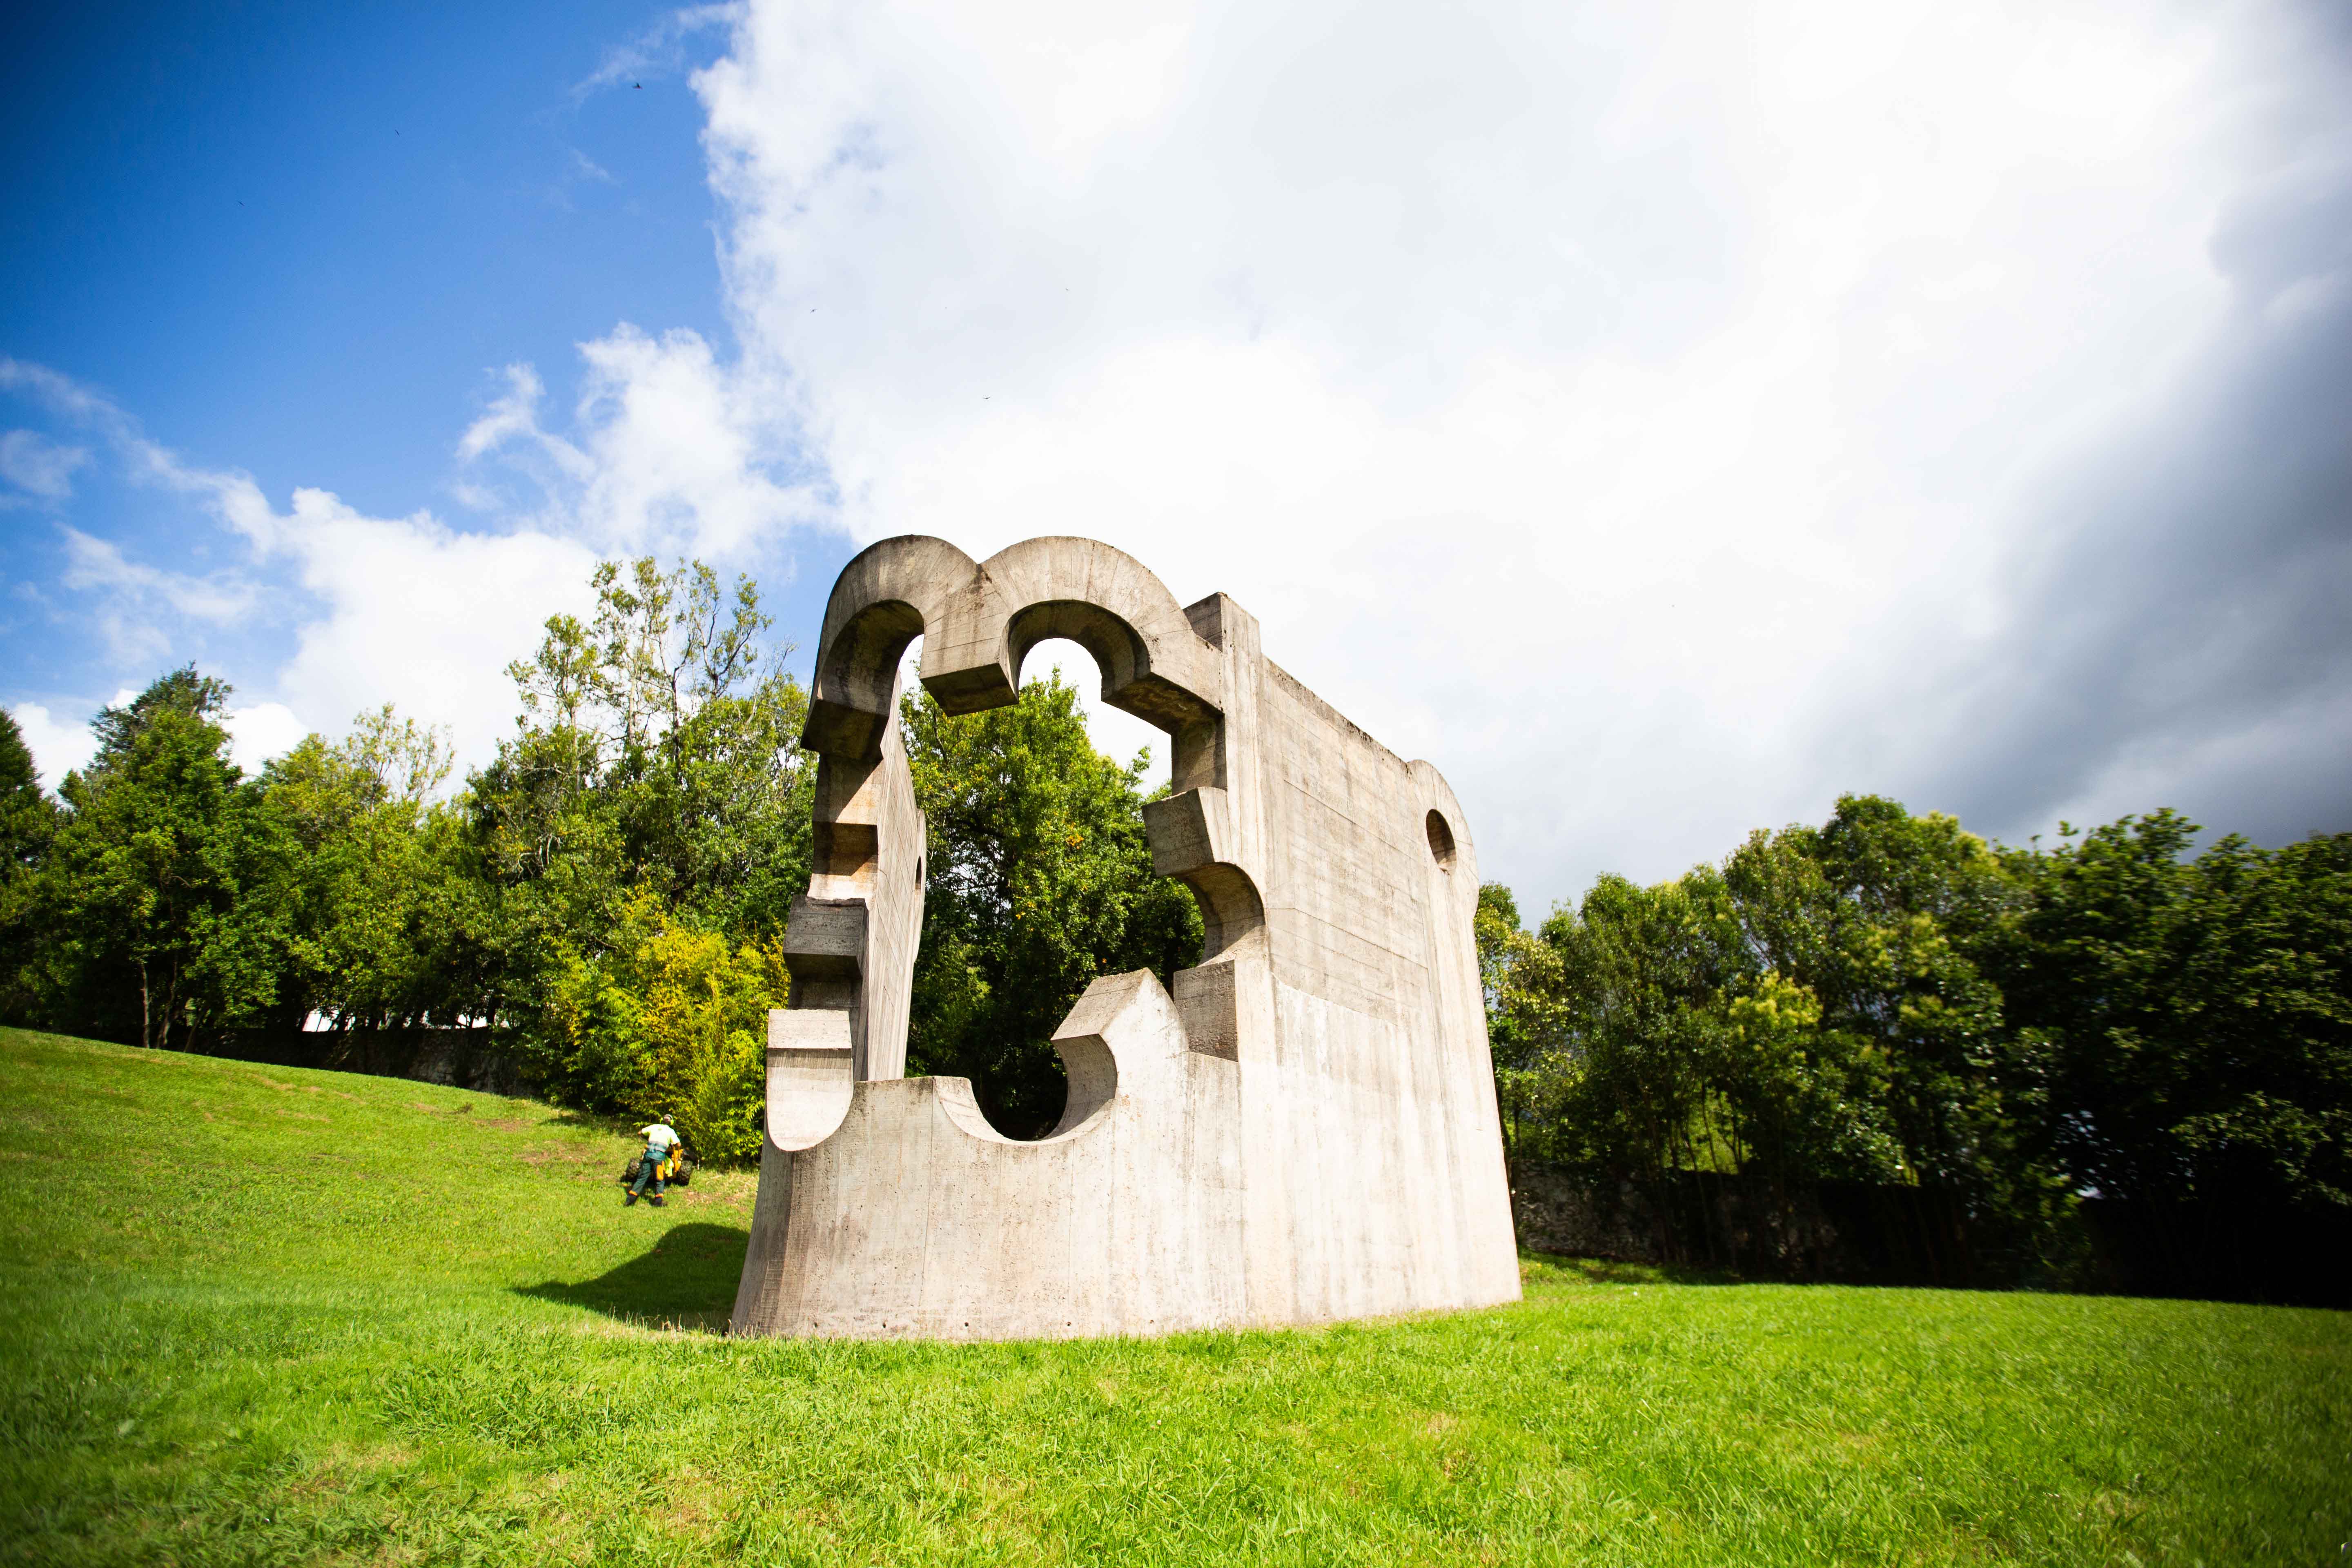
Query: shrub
669	1023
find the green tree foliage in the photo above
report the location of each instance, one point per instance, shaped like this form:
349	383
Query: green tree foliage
1040	881
658	749
1674	1042
1887	999
2199	1010
670	1021
28	823
654	782
1521	978
385	923
1807	1012
157	875
1884	918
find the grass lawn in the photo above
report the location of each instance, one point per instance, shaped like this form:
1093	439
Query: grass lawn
264	1315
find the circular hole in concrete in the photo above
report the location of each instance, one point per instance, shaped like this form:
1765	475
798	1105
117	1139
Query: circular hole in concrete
1441	841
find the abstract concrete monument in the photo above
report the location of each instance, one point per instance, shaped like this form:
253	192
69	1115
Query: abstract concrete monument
1304	1129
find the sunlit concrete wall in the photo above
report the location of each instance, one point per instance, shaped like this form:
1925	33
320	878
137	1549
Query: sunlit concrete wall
1305	1130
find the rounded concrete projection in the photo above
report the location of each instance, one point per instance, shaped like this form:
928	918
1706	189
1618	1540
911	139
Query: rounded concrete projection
1303	1128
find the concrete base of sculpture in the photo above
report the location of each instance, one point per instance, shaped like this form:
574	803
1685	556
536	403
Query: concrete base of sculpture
1304	1131
918	1218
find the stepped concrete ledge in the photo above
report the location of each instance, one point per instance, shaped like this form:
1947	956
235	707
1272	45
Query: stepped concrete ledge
1303	1129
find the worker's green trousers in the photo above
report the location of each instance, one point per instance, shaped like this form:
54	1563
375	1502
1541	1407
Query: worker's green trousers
651	1173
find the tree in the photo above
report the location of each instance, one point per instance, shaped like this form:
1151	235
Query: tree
1636	974
182	691
146	874
1804	1014
1040	881
405	761
2200	1014
658	747
28	823
379	887
654	782
1888	939
670	1023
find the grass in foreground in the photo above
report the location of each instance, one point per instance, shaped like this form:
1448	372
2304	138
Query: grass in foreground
261	1315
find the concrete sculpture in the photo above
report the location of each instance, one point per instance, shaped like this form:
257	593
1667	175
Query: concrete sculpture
1303	1129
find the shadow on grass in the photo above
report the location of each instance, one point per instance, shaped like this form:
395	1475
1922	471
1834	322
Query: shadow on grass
686	1280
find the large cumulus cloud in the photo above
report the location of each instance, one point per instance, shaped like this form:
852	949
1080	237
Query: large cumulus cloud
1662	418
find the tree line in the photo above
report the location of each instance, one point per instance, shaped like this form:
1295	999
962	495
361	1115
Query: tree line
2014	1047
606	898
2108	1053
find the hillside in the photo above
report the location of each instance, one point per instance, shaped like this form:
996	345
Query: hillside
265	1315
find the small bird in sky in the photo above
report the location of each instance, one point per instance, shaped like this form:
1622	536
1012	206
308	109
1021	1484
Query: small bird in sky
638	84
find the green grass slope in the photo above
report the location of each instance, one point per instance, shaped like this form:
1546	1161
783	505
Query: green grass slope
259	1315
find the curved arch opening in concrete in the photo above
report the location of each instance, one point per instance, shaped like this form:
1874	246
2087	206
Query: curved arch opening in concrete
1229	902
1090	1074
1112	730
1441	840
919	608
1118	651
858	668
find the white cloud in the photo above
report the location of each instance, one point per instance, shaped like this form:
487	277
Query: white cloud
57	748
1601	402
673	451
97	564
1660	418
412	611
34	463
135	601
264	731
406	610
513	418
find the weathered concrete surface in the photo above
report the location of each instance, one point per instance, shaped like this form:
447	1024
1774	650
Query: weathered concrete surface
917	1217
851	940
1305	1131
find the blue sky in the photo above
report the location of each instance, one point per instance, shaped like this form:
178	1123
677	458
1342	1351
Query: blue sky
301	242
303	234
1660	425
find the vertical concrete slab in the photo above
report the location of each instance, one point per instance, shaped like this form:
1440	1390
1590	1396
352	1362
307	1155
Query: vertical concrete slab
851	940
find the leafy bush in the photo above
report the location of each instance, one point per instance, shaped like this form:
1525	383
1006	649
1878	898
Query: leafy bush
670	1024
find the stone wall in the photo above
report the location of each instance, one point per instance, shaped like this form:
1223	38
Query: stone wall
462	1058
1561	1212
1856	1231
